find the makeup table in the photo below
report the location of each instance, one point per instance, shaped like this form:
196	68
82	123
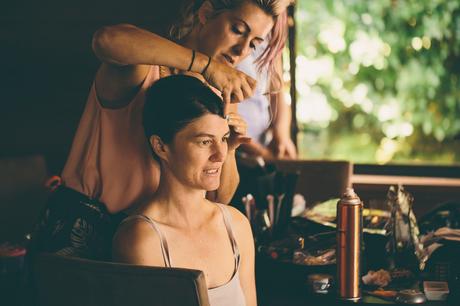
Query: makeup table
284	284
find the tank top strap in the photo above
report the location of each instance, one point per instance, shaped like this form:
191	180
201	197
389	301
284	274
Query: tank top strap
163	242
228	224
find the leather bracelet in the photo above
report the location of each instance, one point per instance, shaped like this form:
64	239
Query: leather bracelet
207	65
193	59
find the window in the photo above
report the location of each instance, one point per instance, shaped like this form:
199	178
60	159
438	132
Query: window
378	81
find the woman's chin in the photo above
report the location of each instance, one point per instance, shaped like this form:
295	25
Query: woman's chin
211	185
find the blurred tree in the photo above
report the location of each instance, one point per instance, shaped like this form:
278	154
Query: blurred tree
378	81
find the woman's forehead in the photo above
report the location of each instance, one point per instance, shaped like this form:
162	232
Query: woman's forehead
208	124
259	22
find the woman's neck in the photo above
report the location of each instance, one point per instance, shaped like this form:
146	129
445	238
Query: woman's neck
177	204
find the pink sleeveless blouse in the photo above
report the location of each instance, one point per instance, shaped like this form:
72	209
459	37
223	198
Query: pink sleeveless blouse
110	159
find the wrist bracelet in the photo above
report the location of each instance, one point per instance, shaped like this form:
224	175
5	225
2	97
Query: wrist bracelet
207	65
193	59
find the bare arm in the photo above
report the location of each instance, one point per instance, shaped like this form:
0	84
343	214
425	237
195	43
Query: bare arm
282	145
230	177
254	149
127	51
245	243
136	243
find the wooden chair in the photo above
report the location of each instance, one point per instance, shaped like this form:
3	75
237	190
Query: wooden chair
22	195
79	282
319	180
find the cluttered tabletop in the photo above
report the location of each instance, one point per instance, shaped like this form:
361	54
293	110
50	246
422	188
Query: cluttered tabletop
338	252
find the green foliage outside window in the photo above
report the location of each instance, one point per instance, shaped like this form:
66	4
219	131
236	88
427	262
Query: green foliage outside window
378	81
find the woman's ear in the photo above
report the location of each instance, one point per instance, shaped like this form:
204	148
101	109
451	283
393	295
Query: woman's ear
159	147
205	12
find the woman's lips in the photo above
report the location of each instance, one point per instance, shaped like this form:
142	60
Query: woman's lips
229	59
212	171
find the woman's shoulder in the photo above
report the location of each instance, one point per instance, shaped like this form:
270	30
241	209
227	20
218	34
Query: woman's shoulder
242	231
239	222
133	227
236	215
136	242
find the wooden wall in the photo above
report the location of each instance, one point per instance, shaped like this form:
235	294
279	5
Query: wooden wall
47	67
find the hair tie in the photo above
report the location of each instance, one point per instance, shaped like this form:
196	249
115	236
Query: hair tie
193	59
207	65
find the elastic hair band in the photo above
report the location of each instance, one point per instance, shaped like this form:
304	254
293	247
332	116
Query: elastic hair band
193	59
207	65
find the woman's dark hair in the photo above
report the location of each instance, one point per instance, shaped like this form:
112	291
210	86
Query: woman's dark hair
175	101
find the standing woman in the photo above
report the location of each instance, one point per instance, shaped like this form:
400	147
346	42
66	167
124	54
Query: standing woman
267	111
109	168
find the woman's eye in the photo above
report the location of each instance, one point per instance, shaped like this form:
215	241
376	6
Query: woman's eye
253	46
225	139
206	142
237	30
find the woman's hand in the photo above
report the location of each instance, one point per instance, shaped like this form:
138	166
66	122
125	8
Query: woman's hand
283	147
238	130
255	149
234	85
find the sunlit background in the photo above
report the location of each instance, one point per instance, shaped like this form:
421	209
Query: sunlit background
378	81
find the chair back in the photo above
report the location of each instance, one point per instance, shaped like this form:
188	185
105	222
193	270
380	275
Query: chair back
80	282
22	195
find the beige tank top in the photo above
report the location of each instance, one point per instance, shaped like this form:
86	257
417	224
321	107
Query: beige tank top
110	158
229	294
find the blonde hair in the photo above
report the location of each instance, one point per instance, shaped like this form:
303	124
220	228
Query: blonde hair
275	8
274	48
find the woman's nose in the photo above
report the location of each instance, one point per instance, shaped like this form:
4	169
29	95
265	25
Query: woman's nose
242	48
219	153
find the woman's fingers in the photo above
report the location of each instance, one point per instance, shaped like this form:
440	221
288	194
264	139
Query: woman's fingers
226	95
236	141
237	123
244	139
235	86
238	130
243	88
291	151
283	148
252	82
248	91
237	95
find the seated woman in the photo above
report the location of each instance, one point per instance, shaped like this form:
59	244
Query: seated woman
178	226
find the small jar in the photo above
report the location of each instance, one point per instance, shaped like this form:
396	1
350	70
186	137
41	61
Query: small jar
319	283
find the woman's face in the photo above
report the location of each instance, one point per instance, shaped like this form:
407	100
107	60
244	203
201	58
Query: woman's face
197	153
231	35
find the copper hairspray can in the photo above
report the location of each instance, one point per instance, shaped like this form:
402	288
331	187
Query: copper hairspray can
349	242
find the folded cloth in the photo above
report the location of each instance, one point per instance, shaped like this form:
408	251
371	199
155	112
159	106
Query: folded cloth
379	278
441	233
448	233
431	241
